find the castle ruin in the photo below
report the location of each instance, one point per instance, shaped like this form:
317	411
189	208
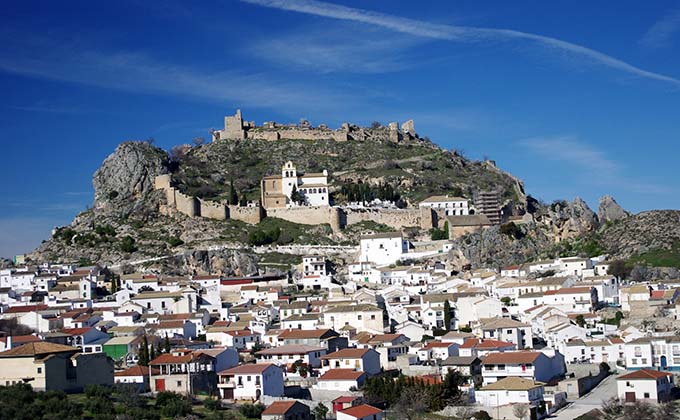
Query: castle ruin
235	128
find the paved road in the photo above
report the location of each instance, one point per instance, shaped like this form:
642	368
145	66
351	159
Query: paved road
605	390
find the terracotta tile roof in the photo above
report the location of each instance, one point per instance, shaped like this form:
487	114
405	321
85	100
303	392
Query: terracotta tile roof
137	370
278	408
346	354
77	331
22	339
341	375
645	374
247	369
436	344
38	348
511	357
478	343
291	349
361	411
26	308
306	333
167	358
345	399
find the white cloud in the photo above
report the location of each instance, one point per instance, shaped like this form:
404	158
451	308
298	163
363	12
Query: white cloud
457	33
348	49
659	35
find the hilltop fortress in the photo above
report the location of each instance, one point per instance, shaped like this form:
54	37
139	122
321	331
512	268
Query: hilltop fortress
237	129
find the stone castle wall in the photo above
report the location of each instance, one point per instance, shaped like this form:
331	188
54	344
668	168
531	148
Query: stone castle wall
250	215
213	210
337	217
394	218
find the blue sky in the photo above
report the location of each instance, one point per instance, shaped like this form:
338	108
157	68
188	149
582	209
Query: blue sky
576	99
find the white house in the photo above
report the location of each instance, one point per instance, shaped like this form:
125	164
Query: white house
452	206
507	329
341	380
366	360
363	317
360	412
511	390
436	350
383	248
287	355
533	365
251	382
645	385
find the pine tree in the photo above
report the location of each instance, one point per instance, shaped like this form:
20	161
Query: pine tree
447	315
166	344
233	196
144	353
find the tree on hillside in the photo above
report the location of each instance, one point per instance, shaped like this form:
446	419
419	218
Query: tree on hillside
233	195
296	197
521	411
143	352
619	269
447	315
320	411
198	141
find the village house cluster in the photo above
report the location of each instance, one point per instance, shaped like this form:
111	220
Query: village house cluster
536	334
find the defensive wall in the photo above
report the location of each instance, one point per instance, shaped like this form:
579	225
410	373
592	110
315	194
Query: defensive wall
337	217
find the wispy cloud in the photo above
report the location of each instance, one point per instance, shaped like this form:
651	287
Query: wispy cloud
138	72
592	163
457	33
659	35
345	49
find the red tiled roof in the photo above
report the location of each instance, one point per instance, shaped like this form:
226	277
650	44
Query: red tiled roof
658	294
346	354
278	408
76	331
26	308
436	344
247	369
511	357
22	339
361	411
137	370
341	375
345	399
645	374
478	343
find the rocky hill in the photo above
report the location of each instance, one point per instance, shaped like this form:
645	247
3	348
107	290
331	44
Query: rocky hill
125	223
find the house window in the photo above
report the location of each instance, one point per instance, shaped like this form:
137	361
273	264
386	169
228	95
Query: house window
359	317
39	370
646	394
248	378
372	317
179	383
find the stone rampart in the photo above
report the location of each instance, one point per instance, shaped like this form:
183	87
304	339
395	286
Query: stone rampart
187	204
213	210
250	215
304	215
394	218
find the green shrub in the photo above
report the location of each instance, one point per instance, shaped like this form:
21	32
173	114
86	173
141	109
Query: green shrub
174	241
128	244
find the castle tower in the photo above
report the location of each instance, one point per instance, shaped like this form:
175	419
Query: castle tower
288	178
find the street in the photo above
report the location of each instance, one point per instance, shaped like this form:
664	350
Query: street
605	390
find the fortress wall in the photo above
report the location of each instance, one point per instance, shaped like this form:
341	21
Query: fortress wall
312	134
212	210
395	218
187	204
264	135
162	182
250	215
304	215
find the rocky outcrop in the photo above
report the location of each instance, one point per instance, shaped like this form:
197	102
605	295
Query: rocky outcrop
567	220
128	173
643	232
225	262
610	210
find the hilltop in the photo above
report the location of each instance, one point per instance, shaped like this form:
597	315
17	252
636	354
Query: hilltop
125	221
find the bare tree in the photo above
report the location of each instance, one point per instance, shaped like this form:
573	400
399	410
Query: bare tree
611	409
412	403
198	140
464	412
666	411
638	410
521	411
